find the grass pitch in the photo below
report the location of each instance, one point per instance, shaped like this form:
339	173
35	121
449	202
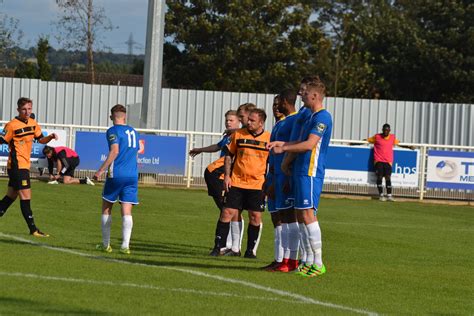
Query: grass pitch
384	258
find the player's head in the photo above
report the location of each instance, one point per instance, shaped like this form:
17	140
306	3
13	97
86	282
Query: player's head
314	92
287	101
275	108
304	82
243	112
231	120
256	120
386	129
118	113
48	151
24	107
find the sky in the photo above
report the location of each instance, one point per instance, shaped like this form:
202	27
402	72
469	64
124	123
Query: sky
36	18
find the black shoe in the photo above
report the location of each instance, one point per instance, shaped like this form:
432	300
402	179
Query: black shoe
230	253
215	252
250	255
271	266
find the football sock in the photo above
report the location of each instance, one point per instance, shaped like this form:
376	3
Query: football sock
106	224
278	249
221	234
28	215
380	186
388	184
234	237
127	225
83	181
242	229
293	240
314	235
253	233
302	249
284	240
5	204
306	245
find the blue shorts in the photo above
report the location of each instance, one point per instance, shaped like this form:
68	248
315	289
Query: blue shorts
125	190
307	192
271	205
283	200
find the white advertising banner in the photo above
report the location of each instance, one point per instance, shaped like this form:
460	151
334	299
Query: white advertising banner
450	170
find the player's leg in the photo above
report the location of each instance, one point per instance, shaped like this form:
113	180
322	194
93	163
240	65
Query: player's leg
8	200
109	197
379	172
292	242
254	202
233	248
388	182
128	197
71	180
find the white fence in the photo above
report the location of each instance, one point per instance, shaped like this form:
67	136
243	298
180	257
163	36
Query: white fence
194	171
202	111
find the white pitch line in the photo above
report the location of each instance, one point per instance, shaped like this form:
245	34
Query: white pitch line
298	297
141	286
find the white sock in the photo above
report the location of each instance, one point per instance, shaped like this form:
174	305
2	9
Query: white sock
127	224
314	236
277	245
234	236
254	250
306	245
293	240
284	240
242	228
106	224
228	243
302	248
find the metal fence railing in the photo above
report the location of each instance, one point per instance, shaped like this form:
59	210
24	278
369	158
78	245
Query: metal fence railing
194	171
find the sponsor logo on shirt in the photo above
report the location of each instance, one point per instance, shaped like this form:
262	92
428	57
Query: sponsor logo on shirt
112	137
321	127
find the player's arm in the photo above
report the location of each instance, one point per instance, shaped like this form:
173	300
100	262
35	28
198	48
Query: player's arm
46	139
397	143
299	147
209	149
50	167
62	163
113	153
227	171
7	135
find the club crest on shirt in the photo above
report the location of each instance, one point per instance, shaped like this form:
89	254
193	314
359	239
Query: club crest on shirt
112	137
321	127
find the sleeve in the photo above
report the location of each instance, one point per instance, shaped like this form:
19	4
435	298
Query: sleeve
371	139
231	148
112	137
62	156
320	125
396	141
223	142
7	133
38	132
295	130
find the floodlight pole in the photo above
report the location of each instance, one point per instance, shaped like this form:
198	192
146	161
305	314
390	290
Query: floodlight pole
151	99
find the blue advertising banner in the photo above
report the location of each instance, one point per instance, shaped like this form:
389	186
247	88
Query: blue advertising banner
355	165
157	154
450	170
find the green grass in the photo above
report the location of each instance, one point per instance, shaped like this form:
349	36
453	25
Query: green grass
387	258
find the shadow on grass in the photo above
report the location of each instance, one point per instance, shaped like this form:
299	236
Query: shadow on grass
25	306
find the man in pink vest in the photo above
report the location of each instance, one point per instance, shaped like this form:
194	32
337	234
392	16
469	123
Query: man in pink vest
66	161
383	159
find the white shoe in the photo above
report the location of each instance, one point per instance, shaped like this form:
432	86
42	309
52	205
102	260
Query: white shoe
382	198
390	198
89	181
53	182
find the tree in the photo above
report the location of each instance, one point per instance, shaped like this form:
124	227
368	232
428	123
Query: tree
255	46
79	27
26	69
10	37
44	68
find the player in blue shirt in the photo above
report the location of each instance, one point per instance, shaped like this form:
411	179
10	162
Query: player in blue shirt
308	170
122	177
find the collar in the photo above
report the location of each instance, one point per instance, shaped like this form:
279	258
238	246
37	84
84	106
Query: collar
255	135
23	121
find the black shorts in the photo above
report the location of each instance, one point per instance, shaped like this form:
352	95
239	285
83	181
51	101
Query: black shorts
19	179
215	186
73	163
245	199
383	169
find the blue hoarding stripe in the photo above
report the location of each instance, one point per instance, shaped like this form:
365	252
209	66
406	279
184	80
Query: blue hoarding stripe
442	153
447	185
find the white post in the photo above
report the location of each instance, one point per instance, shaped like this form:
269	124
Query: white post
422	172
189	172
71	130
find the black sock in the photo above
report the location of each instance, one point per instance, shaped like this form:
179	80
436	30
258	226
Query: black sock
28	215
380	186
83	181
5	204
252	237
222	231
388	183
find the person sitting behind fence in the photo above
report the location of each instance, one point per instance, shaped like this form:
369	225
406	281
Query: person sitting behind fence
66	161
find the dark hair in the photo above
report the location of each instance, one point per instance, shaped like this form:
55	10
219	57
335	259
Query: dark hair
22	101
289	96
386	125
118	108
261	113
47	150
